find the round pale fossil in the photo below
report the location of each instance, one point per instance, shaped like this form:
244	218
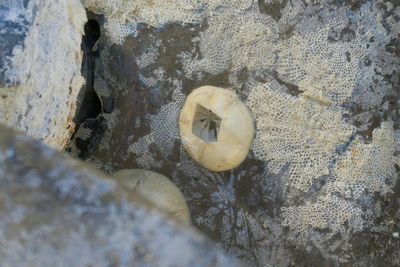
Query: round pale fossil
156	188
216	128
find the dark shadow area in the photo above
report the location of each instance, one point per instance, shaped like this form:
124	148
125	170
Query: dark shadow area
272	8
206	124
88	116
87	145
89	104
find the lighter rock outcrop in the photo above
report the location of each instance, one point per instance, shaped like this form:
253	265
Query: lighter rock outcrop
40	75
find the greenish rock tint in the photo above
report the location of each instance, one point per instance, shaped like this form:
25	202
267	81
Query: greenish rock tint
55	211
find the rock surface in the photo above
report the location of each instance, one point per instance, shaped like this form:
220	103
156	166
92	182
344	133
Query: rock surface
318	56
55	211
40	63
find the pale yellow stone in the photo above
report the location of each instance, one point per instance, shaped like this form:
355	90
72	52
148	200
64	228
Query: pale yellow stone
235	133
156	188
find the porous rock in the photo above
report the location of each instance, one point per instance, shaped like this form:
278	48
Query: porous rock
40	62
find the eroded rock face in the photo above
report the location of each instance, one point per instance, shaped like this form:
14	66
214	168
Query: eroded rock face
40	62
55	211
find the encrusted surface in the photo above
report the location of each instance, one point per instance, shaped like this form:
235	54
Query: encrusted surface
362	170
301	132
321	79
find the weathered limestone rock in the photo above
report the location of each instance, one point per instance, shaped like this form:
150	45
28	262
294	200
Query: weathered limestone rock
55	211
40	61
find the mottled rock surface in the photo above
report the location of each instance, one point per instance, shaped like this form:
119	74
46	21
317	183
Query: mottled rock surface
40	64
55	211
324	55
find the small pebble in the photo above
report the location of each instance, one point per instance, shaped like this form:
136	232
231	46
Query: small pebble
396	235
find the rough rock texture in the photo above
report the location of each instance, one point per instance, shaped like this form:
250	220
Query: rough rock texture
335	66
302	131
55	211
40	62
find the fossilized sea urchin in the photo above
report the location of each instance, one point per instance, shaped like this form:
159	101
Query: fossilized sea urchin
156	188
216	128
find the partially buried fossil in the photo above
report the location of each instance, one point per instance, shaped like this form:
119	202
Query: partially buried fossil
157	188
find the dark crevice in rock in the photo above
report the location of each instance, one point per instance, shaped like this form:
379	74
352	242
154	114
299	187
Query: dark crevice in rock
92	33
87	145
90	106
89	103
